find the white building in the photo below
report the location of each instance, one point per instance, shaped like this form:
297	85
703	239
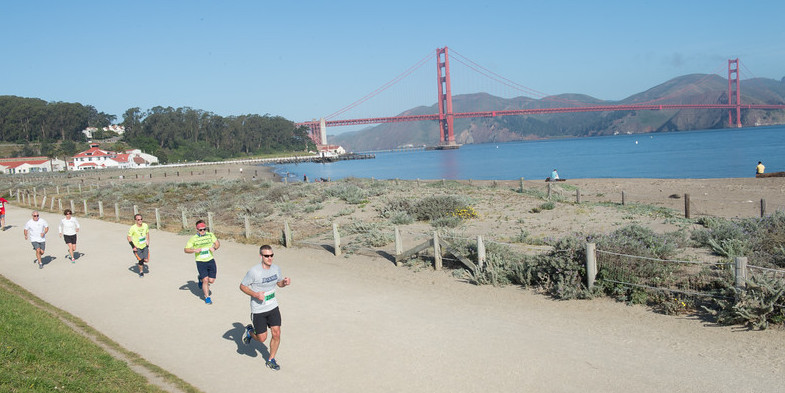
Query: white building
88	132
20	165
95	158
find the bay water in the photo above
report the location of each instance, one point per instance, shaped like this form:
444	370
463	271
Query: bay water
688	154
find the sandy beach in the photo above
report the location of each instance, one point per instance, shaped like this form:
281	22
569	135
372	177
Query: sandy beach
359	323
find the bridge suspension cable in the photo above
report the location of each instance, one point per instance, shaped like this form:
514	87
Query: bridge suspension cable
384	87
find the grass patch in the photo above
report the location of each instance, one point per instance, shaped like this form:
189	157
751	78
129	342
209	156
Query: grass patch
41	353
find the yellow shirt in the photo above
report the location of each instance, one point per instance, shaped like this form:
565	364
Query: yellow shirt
139	235
760	168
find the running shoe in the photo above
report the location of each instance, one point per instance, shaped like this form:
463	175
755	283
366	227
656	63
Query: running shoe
207	300
141	275
273	364
247	336
40	265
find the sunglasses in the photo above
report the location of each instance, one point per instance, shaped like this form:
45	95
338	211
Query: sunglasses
268	255
35	215
201	229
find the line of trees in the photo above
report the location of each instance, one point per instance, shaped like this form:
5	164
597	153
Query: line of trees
24	120
181	134
187	134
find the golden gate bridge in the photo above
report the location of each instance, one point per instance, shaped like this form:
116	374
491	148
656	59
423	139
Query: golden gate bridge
446	115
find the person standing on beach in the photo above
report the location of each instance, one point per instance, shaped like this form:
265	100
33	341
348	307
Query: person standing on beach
204	244
3	202
139	239
260	284
67	229
760	168
36	229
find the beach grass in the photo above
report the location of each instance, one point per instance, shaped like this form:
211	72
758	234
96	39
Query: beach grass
42	350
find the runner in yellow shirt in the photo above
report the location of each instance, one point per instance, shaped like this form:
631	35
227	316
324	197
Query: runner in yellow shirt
203	244
139	239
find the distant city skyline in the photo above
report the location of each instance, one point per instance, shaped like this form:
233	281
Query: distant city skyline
309	59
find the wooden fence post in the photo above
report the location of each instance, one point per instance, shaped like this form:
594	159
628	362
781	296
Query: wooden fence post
336	239
398	244
623	198
73	209
185	219
84	205
157	218
591	265
437	252
57	190
117	211
52	204
686	205
521	185
136	210
762	207
480	253
247	220
549	191
43	202
210	221
741	272
578	196
59	204
101	209
287	235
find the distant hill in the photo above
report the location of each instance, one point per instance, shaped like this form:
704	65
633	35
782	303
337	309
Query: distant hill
688	89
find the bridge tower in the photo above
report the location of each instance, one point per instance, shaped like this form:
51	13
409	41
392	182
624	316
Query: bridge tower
446	136
734	91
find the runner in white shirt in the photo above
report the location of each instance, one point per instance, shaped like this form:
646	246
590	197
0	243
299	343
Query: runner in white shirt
68	228
35	230
260	284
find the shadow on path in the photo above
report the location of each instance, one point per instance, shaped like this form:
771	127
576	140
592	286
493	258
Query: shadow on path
236	334
193	286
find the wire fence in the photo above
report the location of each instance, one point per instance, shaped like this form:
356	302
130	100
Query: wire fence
692	278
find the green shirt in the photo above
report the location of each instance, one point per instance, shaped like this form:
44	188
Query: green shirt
138	235
202	244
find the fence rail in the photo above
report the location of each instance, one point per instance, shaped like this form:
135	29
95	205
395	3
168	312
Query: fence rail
674	276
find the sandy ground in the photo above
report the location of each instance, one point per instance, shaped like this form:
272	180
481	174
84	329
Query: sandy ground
360	324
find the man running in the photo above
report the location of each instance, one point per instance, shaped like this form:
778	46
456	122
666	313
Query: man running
36	228
260	283
139	239
203	244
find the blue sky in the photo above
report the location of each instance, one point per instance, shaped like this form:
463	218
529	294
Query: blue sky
307	59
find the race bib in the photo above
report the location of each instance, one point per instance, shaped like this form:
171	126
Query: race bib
142	240
269	296
204	253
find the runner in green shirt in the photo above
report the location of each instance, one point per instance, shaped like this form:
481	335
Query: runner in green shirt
203	244
139	239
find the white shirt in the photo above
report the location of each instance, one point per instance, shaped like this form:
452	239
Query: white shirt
35	229
68	227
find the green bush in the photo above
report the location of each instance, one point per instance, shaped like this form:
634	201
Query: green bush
759	239
348	193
